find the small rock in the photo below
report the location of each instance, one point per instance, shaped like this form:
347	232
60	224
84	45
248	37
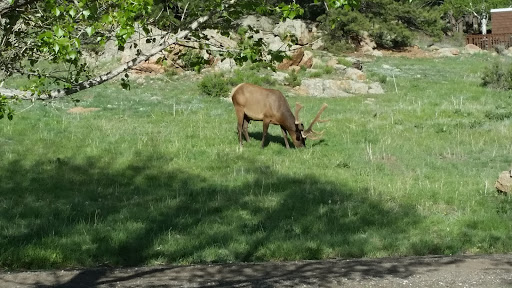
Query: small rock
447	52
332	62
340	68
471	49
294	27
258	23
376	53
295	59
354	74
504	182
317	45
279	76
433	48
323	88
375	88
307	59
226	64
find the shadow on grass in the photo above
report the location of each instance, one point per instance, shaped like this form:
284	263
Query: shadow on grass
62	213
257	136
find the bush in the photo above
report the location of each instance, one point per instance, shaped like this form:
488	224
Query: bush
392	36
390	23
381	78
344	61
251	74
498	76
219	84
214	85
343	29
293	79
500	49
193	60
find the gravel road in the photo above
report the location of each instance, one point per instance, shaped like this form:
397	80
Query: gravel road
432	271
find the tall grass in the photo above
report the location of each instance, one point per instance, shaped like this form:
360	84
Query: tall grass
156	177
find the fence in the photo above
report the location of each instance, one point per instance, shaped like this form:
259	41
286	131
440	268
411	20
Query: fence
488	41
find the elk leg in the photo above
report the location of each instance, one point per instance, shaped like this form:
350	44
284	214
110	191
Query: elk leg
240	117
245	128
265	129
285	137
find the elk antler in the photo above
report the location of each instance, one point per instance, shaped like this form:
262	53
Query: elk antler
297	109
309	132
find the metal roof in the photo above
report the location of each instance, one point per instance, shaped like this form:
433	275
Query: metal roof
501	10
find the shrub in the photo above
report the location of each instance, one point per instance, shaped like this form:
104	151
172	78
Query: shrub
219	84
251	75
392	36
316	74
343	29
381	78
328	69
344	61
292	79
500	49
497	76
169	73
322	70
389	22
193	60
5	108
214	85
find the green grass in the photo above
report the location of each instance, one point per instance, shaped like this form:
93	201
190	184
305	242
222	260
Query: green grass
156	176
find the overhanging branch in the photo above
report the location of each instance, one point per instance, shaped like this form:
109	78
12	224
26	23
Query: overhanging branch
164	43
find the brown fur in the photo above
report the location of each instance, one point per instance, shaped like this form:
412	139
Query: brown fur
256	103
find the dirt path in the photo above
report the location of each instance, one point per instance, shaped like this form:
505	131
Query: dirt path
433	271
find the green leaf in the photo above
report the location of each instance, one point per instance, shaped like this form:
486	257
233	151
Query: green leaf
86	13
58	31
46	34
56	48
72	55
90	30
72	12
56	11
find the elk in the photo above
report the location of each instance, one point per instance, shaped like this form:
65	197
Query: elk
256	103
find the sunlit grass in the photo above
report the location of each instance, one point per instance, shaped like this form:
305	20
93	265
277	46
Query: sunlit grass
155	176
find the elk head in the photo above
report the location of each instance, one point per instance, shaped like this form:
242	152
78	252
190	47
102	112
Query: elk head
302	134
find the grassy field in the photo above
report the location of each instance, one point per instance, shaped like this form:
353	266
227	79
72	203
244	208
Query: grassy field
156	177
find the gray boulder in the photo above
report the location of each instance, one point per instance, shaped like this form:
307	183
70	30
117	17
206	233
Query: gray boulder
296	28
263	23
323	88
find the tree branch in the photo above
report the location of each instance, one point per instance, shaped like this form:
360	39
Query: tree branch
165	42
